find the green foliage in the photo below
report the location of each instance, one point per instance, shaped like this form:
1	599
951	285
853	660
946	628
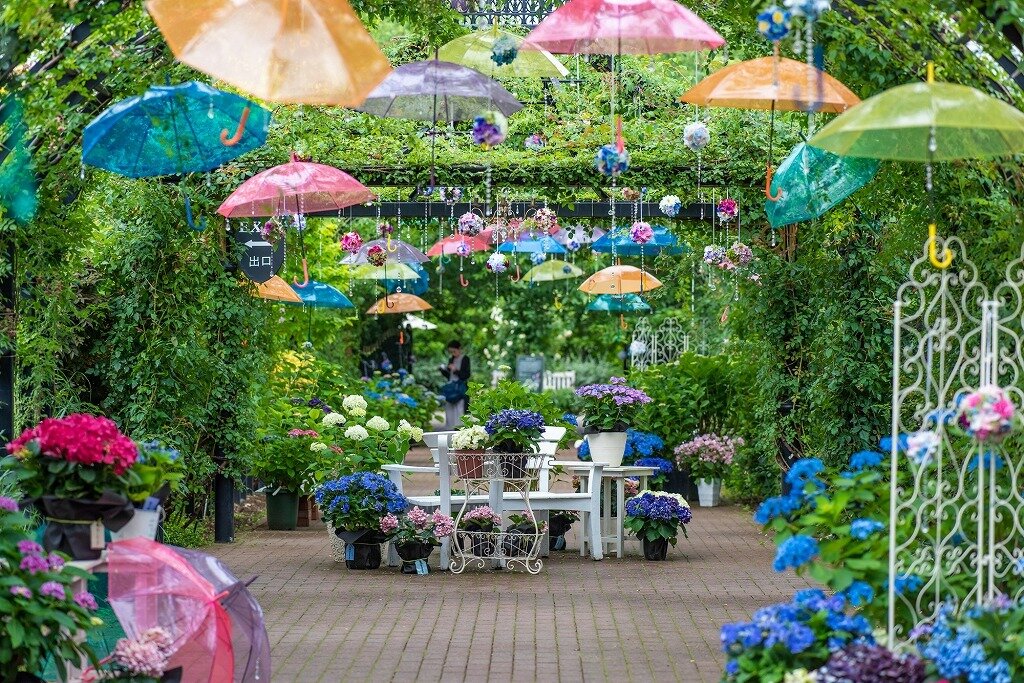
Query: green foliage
509	394
186	532
158	466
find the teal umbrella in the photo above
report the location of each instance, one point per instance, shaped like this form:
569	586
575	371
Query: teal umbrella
322	295
17	177
812	181
532	245
619	240
612	303
173	130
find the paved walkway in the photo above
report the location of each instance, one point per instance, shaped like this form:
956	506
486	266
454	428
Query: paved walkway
579	620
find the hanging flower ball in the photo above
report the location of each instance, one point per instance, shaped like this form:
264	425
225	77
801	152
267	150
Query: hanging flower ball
630	195
272	231
572	245
610	161
740	254
670	205
714	255
567	269
546	220
641	232
490	129
497	263
774	23
696	136
986	414
449	195
351	242
377	255
537	258
385	229
504	50
728	209
812	9
534	142
463	249
470	224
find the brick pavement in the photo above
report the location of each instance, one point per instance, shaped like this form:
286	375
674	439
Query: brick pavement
579	620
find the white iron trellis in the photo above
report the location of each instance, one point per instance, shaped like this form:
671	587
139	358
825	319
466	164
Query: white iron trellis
652	346
952	335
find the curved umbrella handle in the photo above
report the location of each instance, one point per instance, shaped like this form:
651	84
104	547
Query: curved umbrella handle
389	246
463	281
305	274
387	301
933	251
518	276
768	185
237	137
622	322
189	218
557	303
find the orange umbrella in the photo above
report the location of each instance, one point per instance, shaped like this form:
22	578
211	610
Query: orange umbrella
620	280
276	289
399	303
296	51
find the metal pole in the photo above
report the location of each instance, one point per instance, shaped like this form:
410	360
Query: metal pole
223	503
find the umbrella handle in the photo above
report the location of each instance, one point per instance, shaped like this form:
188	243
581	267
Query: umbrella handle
518	276
622	322
305	275
387	301
237	137
189	218
389	246
933	251
463	281
557	303
768	185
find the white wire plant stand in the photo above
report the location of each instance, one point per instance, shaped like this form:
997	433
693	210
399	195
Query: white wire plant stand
512	548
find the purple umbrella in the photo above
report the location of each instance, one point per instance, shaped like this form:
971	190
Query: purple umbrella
248	632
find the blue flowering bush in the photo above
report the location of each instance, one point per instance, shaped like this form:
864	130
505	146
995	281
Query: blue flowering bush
638	445
657	515
514	431
398	396
985	645
359	501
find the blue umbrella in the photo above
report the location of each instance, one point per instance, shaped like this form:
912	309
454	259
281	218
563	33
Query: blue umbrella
173	130
663	242
322	295
532	245
417	286
626	303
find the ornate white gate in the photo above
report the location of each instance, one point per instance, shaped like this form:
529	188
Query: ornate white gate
651	346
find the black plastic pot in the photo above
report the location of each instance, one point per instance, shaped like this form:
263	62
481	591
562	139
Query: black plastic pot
410	552
656	550
362	548
518	540
559	526
681	483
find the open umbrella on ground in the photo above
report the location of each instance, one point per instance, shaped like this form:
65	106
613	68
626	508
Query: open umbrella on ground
626	303
397	251
550	271
811	181
926	122
295	51
276	289
458	245
621	243
322	295
475	50
399	303
620	280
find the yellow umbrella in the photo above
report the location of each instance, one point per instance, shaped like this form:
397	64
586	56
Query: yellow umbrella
297	51
399	303
276	289
474	50
620	280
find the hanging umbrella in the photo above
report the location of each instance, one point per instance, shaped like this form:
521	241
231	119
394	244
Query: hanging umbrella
17	175
399	303
626	303
811	181
532	245
453	244
418	286
926	122
418	323
474	50
294	51
549	271
619	241
173	130
249	632
276	289
152	586
620	280
397	250
322	295
389	271
438	91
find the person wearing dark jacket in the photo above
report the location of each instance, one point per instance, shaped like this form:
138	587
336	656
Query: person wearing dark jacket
457	373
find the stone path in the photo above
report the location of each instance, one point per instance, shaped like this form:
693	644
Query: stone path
579	620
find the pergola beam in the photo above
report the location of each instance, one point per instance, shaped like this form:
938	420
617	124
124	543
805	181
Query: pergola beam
581	210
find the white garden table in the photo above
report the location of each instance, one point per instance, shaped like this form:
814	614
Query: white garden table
612	530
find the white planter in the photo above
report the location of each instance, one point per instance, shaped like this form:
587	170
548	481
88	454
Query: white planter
337	545
709	492
607	447
143	524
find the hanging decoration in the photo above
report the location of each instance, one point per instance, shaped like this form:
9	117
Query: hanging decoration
774	23
535	142
497	263
696	136
572	245
351	242
727	210
504	50
630	195
714	255
811	9
377	255
385	229
612	160
470	224
986	414
476	50
546	220
740	254
462	250
490	129
272	231
670	205
641	232
537	258
449	195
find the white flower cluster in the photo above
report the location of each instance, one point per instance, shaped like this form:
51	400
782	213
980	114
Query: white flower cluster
319	447
357	433
470	438
406	429
333	420
354	405
378	424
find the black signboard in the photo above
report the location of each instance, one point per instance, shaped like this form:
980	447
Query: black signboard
530	371
261	260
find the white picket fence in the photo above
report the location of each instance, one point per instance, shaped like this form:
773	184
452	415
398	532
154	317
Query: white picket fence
565	379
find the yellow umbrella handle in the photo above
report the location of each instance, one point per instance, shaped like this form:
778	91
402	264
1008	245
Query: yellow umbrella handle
305	274
622	322
933	250
237	137
389	245
768	185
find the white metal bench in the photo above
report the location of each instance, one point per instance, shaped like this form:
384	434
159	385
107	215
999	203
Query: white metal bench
563	379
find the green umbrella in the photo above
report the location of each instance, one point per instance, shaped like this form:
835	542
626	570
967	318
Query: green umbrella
474	50
811	181
549	271
612	303
389	271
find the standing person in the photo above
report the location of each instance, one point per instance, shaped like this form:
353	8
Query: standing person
455	391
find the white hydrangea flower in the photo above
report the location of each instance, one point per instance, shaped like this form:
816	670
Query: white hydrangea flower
378	424
354	403
319	447
357	412
469	438
417	434
404	427
357	433
333	420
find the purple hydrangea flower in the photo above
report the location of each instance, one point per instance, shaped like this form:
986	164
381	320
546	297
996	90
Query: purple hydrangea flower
55	561
34	564
21	591
29	548
53	590
85	599
8	504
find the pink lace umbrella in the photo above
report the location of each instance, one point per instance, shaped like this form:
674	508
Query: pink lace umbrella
153	586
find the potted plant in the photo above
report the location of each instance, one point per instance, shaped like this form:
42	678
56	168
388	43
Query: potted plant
475	529
41	617
607	411
561	521
469	445
656	518
708	457
522	535
76	470
354	505
160	471
280	464
516	433
415	534
142	660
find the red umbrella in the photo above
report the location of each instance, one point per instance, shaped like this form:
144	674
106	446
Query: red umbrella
450	245
297	187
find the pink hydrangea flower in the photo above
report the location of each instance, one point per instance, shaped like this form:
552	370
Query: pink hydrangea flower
53	590
418	517
388	523
8	504
21	592
85	599
443	524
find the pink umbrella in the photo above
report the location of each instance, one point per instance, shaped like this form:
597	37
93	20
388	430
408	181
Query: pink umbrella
298	187
450	246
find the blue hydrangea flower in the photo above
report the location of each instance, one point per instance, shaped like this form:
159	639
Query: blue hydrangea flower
885	443
803	476
908	583
865	460
795	552
664	466
859	593
779	506
861	529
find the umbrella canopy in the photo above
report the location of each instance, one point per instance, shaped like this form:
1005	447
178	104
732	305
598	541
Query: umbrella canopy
438	91
397	251
474	50
389	271
418	323
549	271
532	245
418	286
399	303
172	130
603	27
898	123
152	586
612	303
787	84
451	245
297	51
620	280
276	289
322	295
17	175
249	632
811	181
619	241
295	187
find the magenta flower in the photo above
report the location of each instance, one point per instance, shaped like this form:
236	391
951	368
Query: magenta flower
55	561
53	590
8	504
85	599
388	523
29	548
33	564
22	592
